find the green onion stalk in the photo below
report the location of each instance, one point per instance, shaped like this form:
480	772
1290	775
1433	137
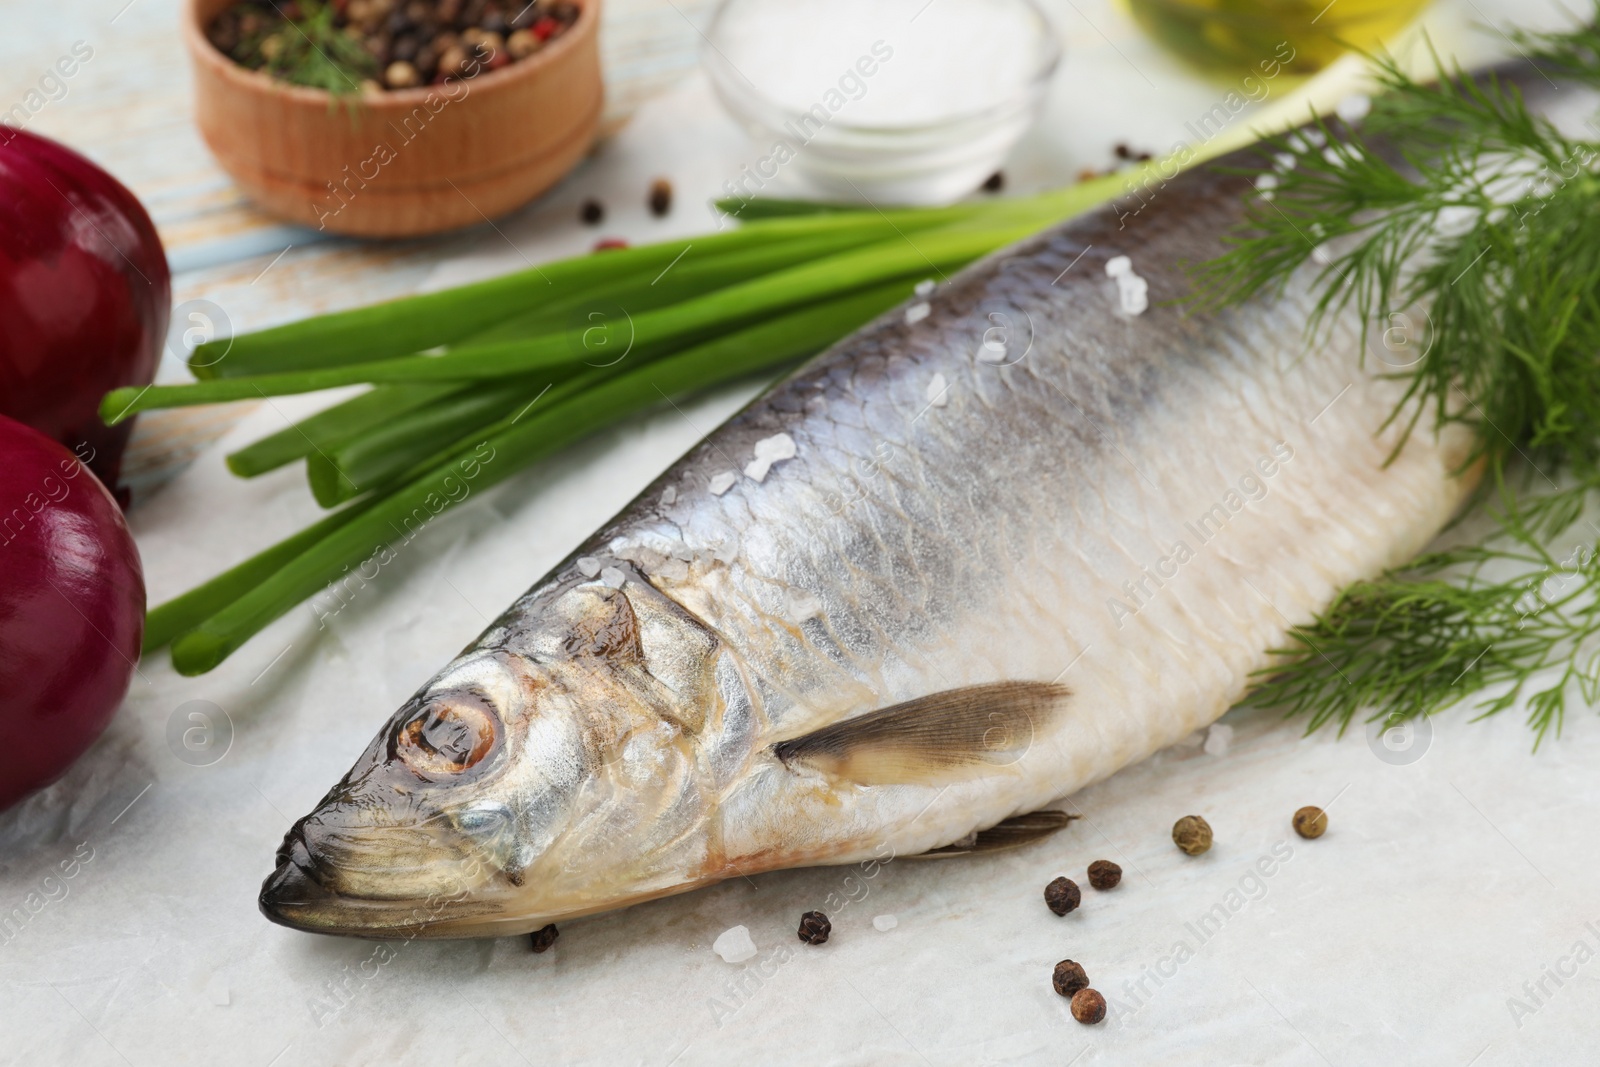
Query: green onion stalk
470	385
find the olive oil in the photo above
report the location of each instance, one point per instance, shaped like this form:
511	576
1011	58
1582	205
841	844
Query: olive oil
1231	35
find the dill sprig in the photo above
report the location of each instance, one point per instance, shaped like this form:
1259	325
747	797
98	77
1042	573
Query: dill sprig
313	51
1452	205
1500	620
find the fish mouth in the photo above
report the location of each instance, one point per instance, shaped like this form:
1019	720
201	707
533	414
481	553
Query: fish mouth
291	896
297	896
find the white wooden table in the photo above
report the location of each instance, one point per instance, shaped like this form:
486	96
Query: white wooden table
1404	936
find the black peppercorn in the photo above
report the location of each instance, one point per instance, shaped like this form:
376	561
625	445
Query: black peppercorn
1310	822
1069	977
1103	874
815	928
593	211
1062	895
660	197
995	182
1088	1006
541	940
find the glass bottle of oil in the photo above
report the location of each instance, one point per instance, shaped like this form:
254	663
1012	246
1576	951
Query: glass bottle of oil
1228	35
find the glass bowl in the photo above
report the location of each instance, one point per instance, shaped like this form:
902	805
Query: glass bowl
894	101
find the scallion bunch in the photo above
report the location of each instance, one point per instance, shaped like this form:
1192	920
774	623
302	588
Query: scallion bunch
471	384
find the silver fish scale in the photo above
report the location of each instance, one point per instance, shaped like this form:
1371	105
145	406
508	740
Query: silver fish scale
903	518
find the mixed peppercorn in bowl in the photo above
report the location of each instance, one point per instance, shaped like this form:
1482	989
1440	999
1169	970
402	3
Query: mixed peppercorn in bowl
346	46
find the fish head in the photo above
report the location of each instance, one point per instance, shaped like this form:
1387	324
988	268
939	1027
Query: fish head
557	768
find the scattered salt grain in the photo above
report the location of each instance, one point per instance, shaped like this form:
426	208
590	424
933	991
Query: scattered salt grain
734	945
669	495
1135	294
885	922
1218	738
1267	182
1284	161
722	483
938	391
1316	138
917	312
1132	290
1296	142
613	577
1333	157
924	287
1321	256
1354	107
588	566
769	451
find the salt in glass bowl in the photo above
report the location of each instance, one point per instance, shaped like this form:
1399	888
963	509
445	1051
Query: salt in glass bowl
880	101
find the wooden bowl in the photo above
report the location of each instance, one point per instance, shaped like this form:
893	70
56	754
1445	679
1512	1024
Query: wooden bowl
406	162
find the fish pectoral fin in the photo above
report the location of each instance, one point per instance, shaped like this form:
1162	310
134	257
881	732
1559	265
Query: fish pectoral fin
1014	832
941	737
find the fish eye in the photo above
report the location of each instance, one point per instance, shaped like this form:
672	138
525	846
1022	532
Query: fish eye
448	735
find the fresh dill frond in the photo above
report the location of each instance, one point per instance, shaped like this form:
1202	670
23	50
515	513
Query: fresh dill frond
1451	199
312	51
1501	620
1453	204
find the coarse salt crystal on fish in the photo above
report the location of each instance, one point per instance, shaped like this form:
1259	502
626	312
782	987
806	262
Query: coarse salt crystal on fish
769	452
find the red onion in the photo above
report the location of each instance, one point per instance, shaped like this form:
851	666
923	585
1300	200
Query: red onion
84	295
71	609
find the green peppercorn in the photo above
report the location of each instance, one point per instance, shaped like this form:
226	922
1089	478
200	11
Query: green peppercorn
1310	822
1192	834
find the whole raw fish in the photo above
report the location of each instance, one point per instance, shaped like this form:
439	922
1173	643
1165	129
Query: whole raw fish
967	561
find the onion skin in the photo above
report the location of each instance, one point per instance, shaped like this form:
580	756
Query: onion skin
71	609
85	295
